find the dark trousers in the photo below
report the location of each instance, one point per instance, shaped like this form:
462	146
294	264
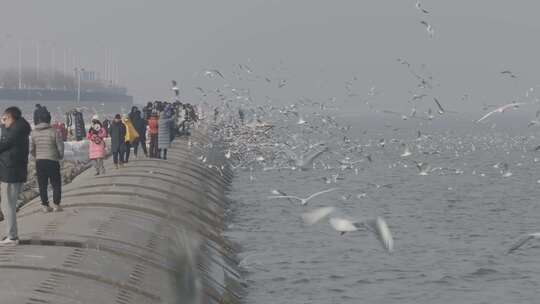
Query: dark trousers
126	151
162	153
118	154
49	170
154	146
142	142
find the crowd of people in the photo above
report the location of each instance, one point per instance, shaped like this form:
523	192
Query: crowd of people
151	129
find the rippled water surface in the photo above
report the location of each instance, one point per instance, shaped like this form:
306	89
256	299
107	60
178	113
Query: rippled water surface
451	228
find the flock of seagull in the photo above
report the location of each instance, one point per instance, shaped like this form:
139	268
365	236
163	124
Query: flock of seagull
305	136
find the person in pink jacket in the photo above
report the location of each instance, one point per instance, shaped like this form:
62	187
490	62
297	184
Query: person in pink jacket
95	135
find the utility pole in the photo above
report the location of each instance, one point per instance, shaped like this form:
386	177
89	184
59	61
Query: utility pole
65	64
78	72
53	59
37	60
20	65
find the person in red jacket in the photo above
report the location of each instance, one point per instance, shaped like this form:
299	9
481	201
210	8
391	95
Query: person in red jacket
153	133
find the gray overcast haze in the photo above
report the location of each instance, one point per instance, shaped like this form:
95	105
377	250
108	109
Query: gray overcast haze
315	45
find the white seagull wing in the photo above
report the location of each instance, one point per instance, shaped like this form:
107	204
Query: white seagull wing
379	227
316	215
320	192
285	196
306	160
342	225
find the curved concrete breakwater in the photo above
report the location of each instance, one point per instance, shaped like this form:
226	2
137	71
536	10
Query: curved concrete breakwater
147	233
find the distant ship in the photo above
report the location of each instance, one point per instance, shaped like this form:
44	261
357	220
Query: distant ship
106	95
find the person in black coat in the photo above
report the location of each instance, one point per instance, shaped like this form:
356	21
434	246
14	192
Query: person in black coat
140	126
14	149
117	132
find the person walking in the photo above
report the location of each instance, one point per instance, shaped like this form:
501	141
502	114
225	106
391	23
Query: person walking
117	132
47	149
140	126
96	151
153	130
164	133
14	149
130	138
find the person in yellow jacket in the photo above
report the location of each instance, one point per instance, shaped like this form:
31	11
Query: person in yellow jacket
131	137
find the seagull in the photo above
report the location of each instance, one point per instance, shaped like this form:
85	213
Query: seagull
524	239
440	110
406	151
304	161
418	97
535	122
509	73
513	105
303	201
423	168
175	88
213	73
504	171
419	7
280	193
429	28
316	215
377	226
430	114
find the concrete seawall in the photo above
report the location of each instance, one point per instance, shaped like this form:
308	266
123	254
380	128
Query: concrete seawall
147	233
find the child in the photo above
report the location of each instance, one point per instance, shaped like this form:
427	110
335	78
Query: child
97	145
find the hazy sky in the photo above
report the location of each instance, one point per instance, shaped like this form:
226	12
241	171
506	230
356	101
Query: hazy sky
315	45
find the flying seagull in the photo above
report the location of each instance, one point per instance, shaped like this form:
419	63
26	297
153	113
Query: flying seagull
429	28
440	110
509	73
316	215
505	172
406	151
513	105
303	201
523	240
423	168
419	7
175	88
377	226
304	161
213	73
535	122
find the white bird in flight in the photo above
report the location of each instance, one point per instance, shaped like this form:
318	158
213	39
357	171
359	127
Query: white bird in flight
440	110
523	240
316	215
513	105
304	161
423	168
505	172
419	7
303	201
429	28
377	226
213	73
406	151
